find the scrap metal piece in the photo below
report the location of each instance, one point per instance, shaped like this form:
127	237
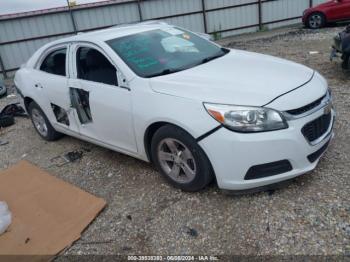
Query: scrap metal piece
2	143
73	156
66	158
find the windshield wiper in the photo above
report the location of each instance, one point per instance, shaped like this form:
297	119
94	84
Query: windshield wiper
168	71
164	72
223	52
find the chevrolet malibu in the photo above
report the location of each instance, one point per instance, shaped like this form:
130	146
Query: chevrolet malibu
196	110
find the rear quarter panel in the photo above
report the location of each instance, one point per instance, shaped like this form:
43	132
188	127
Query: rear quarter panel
25	82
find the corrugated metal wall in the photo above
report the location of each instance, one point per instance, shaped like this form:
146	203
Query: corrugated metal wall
164	8
106	16
159	8
20	37
226	15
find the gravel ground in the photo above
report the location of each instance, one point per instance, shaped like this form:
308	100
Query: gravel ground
310	216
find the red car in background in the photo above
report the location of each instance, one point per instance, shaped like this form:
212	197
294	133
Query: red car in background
331	11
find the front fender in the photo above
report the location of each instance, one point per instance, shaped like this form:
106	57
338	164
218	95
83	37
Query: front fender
150	107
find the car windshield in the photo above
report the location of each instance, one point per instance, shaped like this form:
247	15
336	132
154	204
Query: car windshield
164	51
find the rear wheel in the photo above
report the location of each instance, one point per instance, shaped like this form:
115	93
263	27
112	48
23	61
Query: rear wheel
180	159
316	20
41	124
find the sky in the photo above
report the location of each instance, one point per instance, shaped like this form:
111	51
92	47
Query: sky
16	6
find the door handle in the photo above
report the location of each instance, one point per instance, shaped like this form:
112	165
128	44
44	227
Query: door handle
38	85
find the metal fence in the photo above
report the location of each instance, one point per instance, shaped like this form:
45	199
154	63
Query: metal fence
20	36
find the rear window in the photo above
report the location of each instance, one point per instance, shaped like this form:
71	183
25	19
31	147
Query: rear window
55	62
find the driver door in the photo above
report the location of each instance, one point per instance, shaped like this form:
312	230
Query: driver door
103	106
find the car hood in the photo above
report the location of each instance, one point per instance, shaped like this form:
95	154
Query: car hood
239	78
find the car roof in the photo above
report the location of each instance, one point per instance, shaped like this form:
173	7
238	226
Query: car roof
114	32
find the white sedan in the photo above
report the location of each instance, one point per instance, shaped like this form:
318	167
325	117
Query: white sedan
196	110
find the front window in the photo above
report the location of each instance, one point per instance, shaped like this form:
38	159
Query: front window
164	51
93	66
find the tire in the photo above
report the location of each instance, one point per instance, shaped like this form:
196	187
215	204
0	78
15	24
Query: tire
183	155
6	121
316	20
46	130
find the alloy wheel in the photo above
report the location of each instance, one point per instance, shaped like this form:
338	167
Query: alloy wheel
39	122
315	21
176	160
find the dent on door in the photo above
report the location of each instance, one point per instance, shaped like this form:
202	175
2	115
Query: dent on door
80	101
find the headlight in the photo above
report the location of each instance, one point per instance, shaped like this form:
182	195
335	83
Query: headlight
247	119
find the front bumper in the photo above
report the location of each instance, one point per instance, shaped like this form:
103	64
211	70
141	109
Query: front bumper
233	154
303	19
305	16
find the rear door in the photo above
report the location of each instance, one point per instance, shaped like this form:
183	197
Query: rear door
103	105
51	82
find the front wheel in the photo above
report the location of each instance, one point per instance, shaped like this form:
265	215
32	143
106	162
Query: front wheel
180	159
316	20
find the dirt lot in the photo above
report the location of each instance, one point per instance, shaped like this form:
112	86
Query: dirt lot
146	216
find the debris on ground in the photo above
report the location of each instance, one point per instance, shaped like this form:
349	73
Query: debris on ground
73	156
5	217
126	248
8	114
2	143
6	121
66	158
14	110
314	52
191	231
